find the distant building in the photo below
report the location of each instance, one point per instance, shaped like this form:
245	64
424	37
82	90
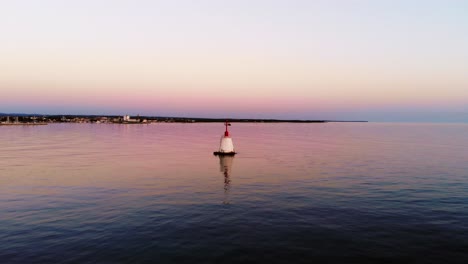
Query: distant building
126	118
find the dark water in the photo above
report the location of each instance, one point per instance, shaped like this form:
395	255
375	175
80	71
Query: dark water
295	193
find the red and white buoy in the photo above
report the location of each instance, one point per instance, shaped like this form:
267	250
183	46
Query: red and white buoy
226	147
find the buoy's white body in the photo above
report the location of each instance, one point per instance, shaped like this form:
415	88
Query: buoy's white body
226	146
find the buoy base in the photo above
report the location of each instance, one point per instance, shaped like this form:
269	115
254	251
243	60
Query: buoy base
218	153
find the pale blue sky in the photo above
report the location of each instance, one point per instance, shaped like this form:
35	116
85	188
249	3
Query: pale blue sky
289	59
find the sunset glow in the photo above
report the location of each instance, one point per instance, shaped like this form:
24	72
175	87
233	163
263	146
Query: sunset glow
271	59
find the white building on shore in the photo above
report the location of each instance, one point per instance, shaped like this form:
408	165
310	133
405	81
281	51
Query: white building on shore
126	118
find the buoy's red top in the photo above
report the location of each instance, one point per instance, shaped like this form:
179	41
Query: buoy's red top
226	133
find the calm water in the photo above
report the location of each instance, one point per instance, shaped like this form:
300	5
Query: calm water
295	193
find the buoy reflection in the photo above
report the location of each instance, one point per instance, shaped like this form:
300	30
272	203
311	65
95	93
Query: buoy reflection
225	166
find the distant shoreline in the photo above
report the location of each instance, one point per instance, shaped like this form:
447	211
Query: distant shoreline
34	119
23	124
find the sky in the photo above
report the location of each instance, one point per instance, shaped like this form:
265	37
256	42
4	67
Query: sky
388	60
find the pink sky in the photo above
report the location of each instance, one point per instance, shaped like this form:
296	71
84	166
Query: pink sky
291	59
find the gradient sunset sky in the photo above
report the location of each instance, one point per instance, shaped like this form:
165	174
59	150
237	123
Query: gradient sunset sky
350	59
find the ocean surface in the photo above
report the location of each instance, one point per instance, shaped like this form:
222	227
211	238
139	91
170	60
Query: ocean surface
294	193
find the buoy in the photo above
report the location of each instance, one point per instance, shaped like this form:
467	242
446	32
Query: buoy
226	147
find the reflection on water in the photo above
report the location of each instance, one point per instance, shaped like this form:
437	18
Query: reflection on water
300	193
225	166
